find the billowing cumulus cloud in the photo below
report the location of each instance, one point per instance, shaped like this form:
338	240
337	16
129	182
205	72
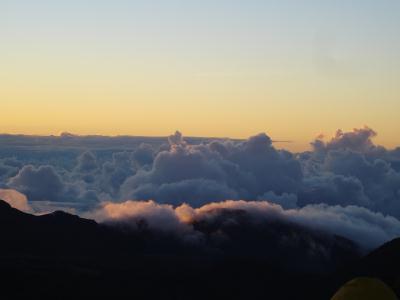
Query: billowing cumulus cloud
8	168
351	167
16	200
359	140
136	214
41	183
115	172
87	162
143	155
367	228
45	184
195	191
348	170
215	171
333	189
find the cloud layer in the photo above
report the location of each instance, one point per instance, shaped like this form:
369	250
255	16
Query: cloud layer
358	224
346	180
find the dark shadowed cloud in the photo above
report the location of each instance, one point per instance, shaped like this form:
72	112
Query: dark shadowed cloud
347	177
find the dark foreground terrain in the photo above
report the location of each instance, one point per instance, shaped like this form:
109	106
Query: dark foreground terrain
63	256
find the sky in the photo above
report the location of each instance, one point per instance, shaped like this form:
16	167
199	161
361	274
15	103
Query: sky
293	69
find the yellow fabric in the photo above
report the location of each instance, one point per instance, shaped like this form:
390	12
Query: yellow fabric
364	288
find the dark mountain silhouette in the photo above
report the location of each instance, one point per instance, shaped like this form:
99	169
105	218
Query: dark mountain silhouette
60	255
383	263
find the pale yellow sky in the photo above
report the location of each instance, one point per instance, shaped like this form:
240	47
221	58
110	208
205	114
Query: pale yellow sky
205	69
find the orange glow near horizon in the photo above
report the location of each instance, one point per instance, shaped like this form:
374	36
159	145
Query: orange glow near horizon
141	69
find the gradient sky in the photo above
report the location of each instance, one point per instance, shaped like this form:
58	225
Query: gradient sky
293	69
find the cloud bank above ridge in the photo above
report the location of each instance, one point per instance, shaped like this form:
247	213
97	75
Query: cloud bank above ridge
358	224
346	177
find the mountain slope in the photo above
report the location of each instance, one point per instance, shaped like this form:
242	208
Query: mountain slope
384	263
66	255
